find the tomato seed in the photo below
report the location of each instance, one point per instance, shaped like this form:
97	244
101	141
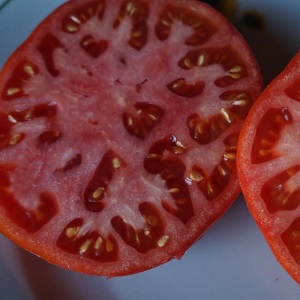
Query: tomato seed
196	176
188	63
13	91
174	190
210	189
15	139
130	8
109	246
239	102
180	145
84	247
221	170
29	70
200	60
265	152
234	76
72	231
153	117
166	22
98	192
162	241
98	243
229	156
177	84
226	115
116	163
75	19
72	28
11	119
236	69
136	34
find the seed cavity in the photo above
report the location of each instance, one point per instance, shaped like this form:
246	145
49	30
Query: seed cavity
200	31
291	238
49	137
268	134
72	22
278	194
143	119
182	88
94	192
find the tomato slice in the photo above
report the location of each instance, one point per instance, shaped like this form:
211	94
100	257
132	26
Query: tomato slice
268	166
119	123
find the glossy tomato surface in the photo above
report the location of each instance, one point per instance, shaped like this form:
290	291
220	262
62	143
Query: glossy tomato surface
119	127
268	165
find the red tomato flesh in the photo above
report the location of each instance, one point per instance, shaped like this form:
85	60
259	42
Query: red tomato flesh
268	165
119	123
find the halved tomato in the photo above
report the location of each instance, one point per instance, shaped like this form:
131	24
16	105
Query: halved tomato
268	165
119	123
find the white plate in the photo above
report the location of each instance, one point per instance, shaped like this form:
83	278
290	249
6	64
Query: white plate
232	261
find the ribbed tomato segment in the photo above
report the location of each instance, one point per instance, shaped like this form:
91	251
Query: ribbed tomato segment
118	132
269	169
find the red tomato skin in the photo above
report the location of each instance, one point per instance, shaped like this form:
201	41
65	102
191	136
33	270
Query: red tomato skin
120	269
251	179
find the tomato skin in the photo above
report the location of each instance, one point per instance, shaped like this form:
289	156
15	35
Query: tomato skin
268	172
188	196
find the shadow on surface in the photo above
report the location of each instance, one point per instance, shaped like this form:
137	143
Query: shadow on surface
272	52
48	282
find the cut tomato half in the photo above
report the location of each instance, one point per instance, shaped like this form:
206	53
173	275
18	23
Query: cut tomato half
119	123
268	165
